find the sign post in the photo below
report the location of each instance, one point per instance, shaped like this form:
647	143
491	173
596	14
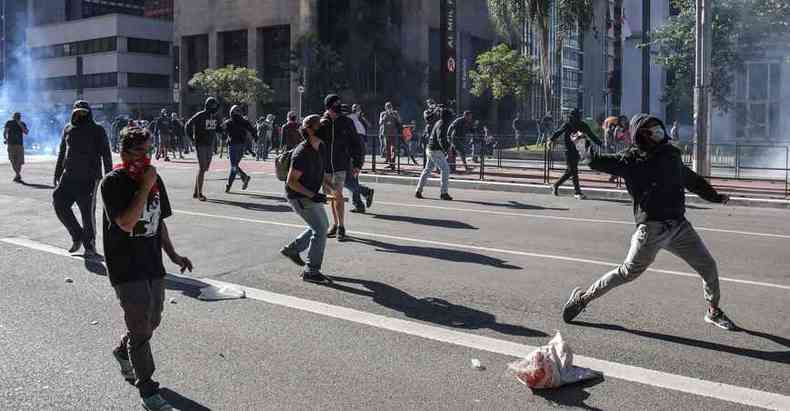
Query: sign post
449	69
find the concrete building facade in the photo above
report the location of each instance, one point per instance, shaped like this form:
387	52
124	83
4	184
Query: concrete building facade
120	63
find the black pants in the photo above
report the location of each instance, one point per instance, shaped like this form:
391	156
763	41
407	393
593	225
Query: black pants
572	172
84	194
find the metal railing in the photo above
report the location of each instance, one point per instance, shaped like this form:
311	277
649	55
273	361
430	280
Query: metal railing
504	155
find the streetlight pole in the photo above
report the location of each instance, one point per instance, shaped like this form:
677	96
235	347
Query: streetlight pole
702	87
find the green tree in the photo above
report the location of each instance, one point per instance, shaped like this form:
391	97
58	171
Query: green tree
512	18
741	30
233	85
504	72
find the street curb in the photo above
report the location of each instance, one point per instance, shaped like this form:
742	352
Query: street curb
592	193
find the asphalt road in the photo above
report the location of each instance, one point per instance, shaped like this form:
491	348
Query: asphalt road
496	265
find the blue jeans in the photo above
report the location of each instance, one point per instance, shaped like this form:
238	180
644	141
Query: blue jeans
357	190
235	152
314	238
436	158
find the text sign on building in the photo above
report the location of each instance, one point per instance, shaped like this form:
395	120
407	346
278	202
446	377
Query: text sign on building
448	30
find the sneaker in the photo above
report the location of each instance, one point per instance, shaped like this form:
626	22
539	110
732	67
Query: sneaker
332	233
156	403
446	197
246	182
293	256
359	209
75	246
315	277
17	179
90	251
580	196
418	194
227	188
369	198
555	191
574	306
341	234
127	372
719	319
167	158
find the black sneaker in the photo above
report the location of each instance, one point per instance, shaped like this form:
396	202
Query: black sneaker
574	306
315	277
227	188
555	191
359	209
332	233
369	198
293	256
17	179
446	197
418	194
719	319
245	182
75	246
341	234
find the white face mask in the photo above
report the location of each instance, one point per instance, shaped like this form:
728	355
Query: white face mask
658	134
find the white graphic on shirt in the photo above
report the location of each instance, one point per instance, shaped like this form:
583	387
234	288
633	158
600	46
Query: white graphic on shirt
148	225
211	124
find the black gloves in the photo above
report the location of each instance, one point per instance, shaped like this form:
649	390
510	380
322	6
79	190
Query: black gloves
319	198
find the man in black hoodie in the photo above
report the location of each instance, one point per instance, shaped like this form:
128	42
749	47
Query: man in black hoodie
571	127
656	178
237	127
202	130
344	151
84	148
436	154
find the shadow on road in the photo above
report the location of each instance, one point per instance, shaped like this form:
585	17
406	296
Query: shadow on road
189	287
429	309
254	206
38	186
572	395
447	254
261	196
516	205
180	402
629	202
433	222
782	357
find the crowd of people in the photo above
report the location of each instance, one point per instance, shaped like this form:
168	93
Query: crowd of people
326	152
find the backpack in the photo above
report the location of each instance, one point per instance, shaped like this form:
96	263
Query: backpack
282	165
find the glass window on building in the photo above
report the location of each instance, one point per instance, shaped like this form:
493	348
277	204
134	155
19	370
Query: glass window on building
146	46
100	80
234	48
276	60
101	45
758	102
144	80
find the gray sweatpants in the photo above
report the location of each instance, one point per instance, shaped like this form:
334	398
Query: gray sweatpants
676	236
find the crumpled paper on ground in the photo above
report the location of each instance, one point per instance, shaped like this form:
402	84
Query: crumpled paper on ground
214	293
551	366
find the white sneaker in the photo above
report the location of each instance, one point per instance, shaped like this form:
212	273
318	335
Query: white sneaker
580	196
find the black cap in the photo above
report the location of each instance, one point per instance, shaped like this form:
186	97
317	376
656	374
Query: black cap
330	100
82	104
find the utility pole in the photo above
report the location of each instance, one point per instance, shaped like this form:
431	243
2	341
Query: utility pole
702	74
646	56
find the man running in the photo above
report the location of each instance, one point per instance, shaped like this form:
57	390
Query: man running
344	155
84	148
237	128
656	178
135	234
202	129
15	130
570	128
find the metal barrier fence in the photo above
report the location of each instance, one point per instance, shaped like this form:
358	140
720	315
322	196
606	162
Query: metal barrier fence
507	153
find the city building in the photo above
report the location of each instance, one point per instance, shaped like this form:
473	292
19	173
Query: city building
262	35
58	11
120	63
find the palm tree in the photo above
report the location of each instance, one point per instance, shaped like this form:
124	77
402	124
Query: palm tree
512	19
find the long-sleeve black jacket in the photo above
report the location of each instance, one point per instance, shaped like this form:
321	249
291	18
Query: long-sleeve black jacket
439	140
656	181
568	129
343	143
83	151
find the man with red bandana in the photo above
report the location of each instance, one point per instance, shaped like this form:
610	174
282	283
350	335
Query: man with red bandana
135	234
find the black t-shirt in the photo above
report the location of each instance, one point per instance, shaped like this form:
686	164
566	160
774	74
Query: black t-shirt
310	162
14	132
133	256
164	125
205	126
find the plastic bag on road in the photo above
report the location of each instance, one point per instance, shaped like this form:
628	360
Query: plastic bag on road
214	293
550	366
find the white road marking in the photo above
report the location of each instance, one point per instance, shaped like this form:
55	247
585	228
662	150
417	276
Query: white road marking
695	386
488	249
549	217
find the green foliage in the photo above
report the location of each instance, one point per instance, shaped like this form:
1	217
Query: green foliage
233	85
741	29
503	72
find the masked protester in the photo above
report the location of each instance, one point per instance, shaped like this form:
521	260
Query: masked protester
135	235
163	128
179	144
237	128
291	134
202	130
572	127
15	130
84	148
656	178
436	155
